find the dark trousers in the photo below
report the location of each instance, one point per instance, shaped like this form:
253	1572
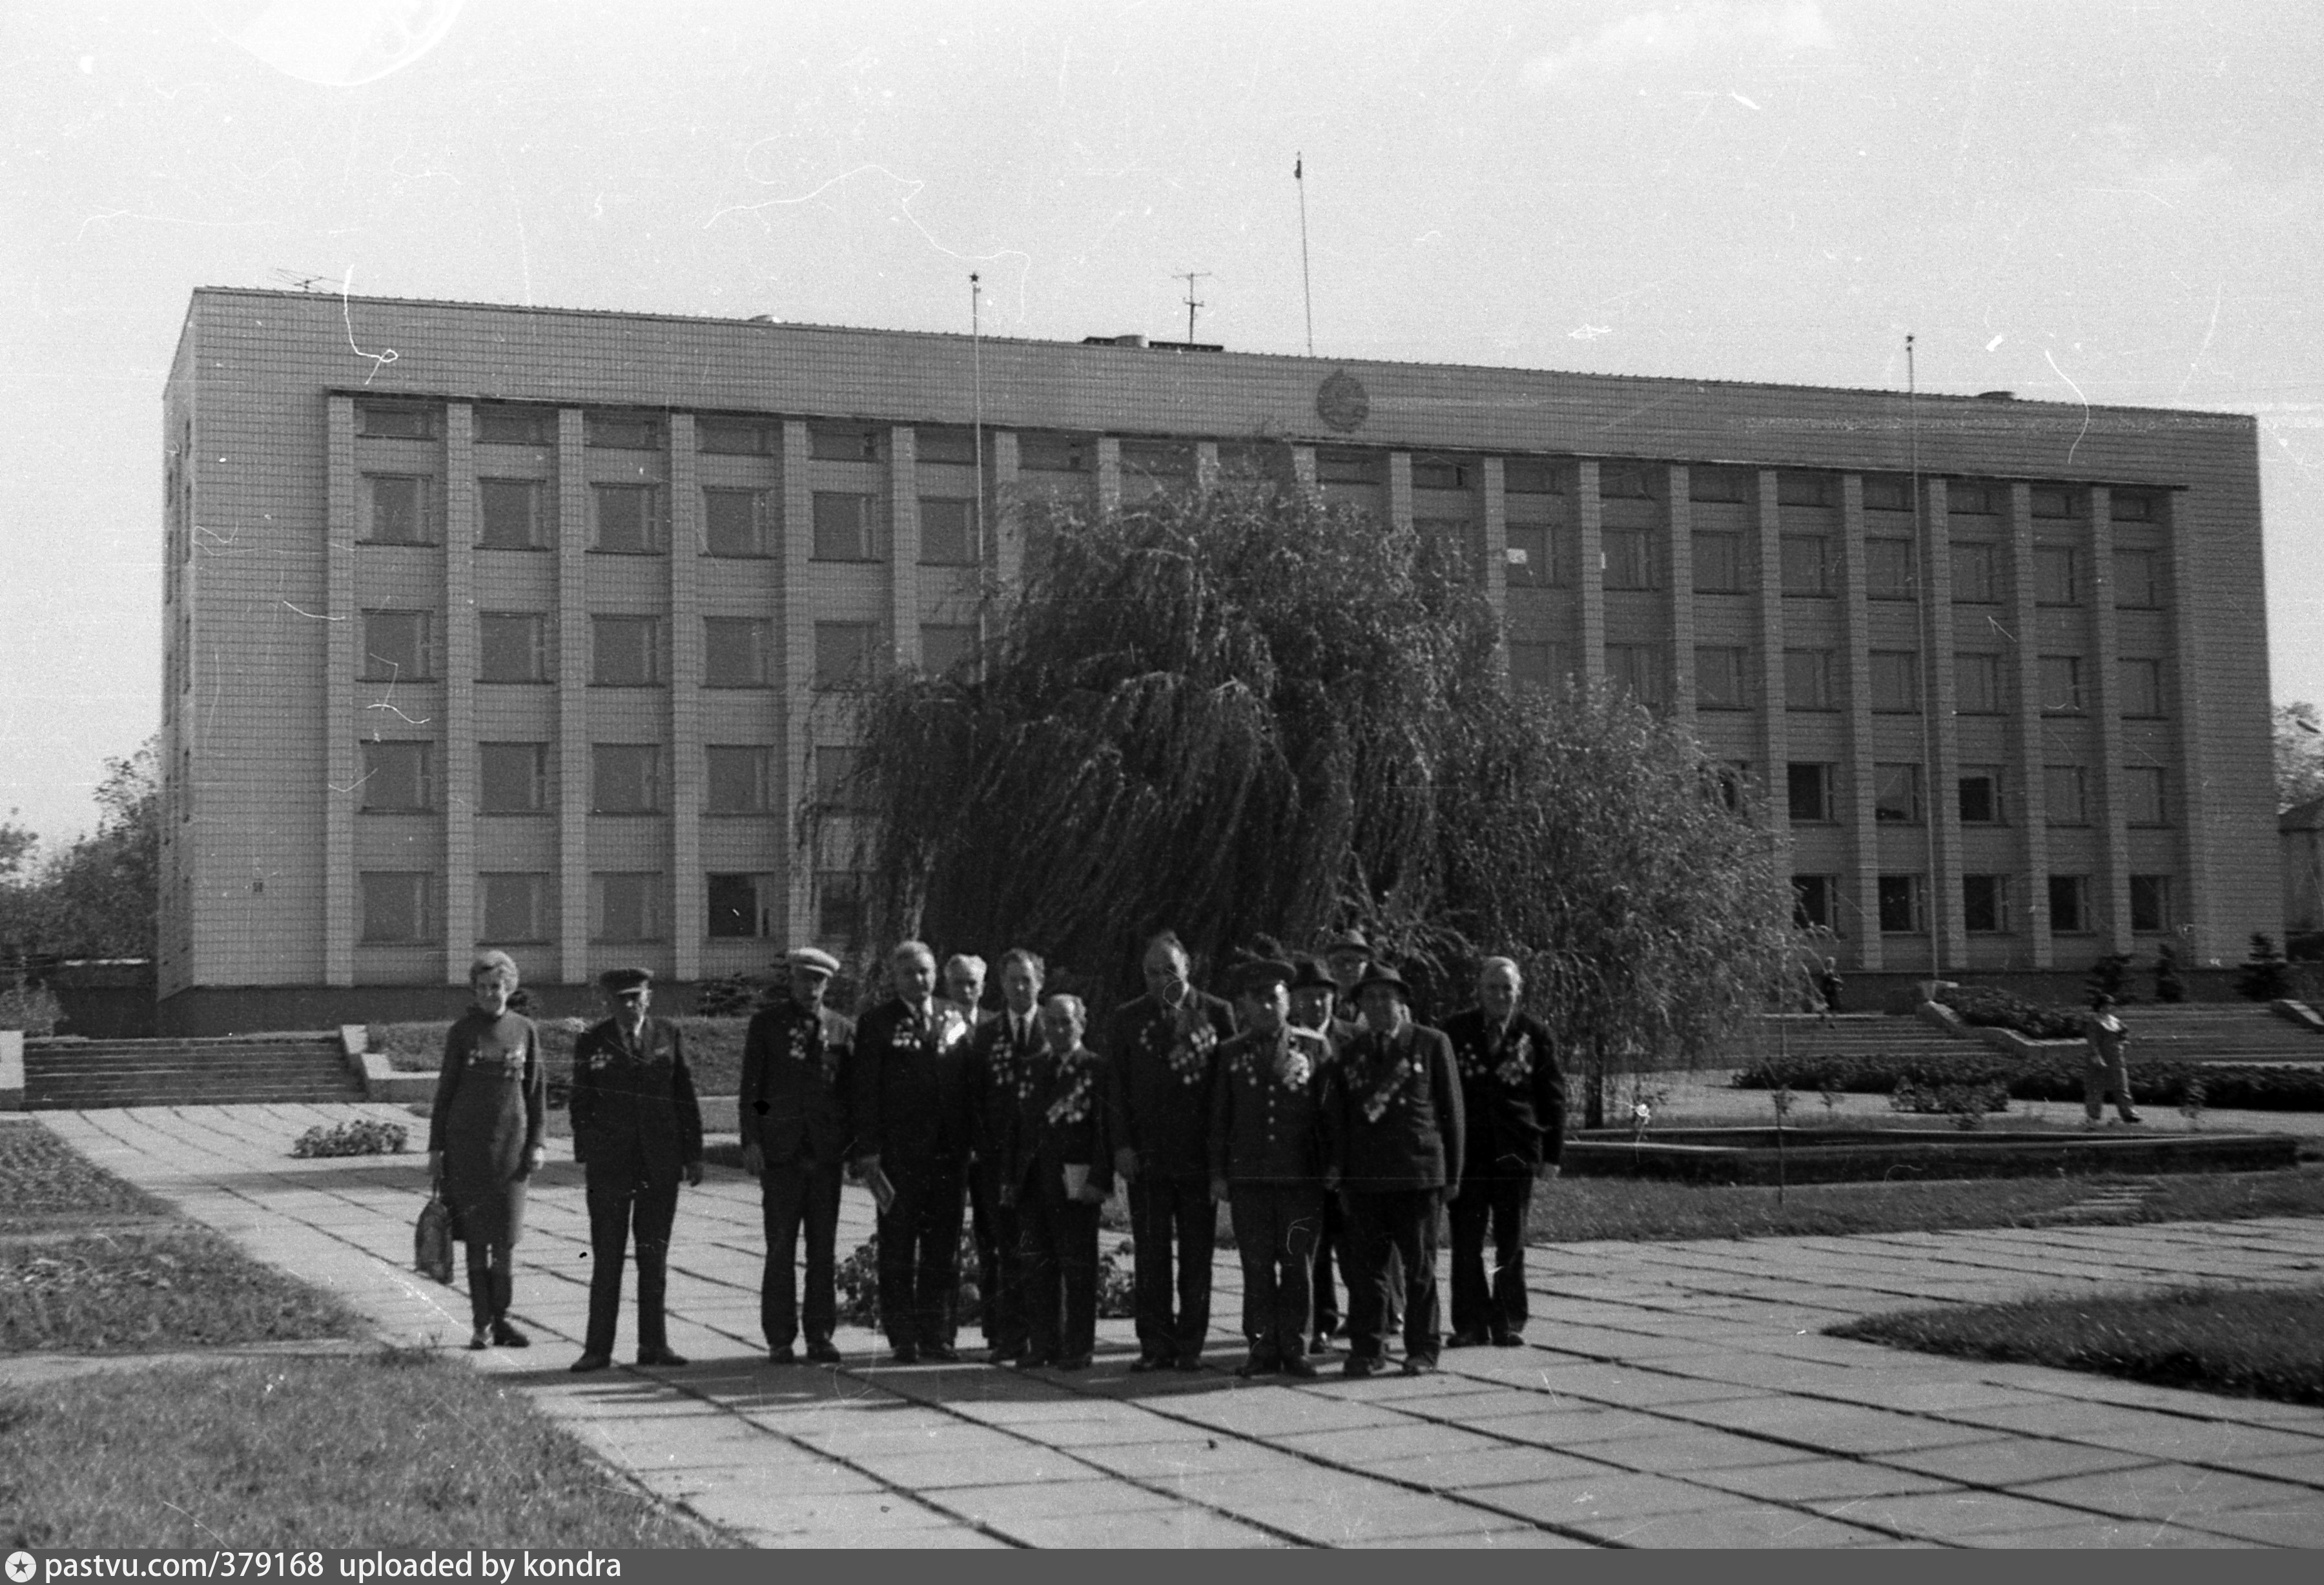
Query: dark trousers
999	1267
795	1196
622	1210
1277	1230
1167	1210
1058	1240
1490	1302
490	1288
1402	1224
920	1255
1327	1296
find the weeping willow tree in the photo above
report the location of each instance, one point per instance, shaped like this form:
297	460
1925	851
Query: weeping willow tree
1244	714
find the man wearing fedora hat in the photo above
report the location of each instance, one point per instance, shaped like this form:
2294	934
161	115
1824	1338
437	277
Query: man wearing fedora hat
1394	1147
794	1126
1313	996
637	1128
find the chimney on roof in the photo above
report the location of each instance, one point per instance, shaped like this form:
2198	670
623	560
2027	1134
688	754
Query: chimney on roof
1997	396
1131	339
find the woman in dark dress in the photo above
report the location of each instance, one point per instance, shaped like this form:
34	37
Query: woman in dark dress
484	1138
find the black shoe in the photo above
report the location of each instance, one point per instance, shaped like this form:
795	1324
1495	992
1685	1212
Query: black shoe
480	1339
1030	1360
1364	1365
1321	1343
1187	1362
2130	1116
1298	1365
508	1336
1465	1340
1421	1365
663	1356
786	1355
1002	1357
822	1351
1259	1365
943	1353
1145	1362
904	1354
1507	1340
1078	1362
591	1361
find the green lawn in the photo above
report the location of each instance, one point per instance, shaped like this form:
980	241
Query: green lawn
392	1449
2245	1343
45	1184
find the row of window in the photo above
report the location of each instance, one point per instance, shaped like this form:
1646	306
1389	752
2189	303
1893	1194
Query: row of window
633	519
401	907
498	424
400	777
1723	675
632	651
1811	794
1987	903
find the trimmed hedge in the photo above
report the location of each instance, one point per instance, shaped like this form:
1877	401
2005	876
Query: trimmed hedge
2049	1077
1985	1008
714	1050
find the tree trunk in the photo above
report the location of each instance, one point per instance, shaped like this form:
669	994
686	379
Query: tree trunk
1593	1104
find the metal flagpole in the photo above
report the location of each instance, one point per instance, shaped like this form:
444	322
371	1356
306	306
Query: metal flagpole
976	364
1933	898
1306	289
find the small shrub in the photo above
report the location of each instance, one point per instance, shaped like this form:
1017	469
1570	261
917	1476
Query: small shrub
1985	1006
1966	1103
2058	1076
31	1008
737	996
2168	986
2264	975
2191	1103
2109	976
359	1136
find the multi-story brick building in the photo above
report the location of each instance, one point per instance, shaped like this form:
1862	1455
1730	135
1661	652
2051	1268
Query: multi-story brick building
534	627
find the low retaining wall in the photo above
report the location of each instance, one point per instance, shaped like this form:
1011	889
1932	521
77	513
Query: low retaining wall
1826	1156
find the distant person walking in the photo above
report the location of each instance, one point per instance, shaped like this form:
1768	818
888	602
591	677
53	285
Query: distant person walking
2108	1068
485	1136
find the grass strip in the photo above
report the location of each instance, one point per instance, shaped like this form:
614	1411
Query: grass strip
2242	1342
46	1182
132	1292
397	1448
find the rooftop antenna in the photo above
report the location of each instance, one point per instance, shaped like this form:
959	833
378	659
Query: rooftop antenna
292	279
1306	290
1190	277
976	358
1931	792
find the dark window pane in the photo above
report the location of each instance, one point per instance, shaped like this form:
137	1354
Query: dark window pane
843	526
2070	903
1809	786
1900	903
733	907
949	531
1719	563
395	646
628	650
396	778
734	436
628	518
384	422
734	652
512	777
732	522
625	778
1888	570
398	509
515	426
738	779
395	908
843	654
626	431
509	648
514	907
509	514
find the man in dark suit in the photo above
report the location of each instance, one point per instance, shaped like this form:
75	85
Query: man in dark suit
1161	1051
1313	995
794	1126
1395	1139
908	1099
1513	1099
1001	1083
637	1128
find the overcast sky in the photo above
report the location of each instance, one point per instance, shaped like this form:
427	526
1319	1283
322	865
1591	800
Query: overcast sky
2108	201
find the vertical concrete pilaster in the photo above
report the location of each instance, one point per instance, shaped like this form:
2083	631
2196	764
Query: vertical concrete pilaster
904	544
1493	489
1678	556
2188	693
1767	540
688	912
1109	474
1939	729
573	638
460	645
1207	464
1002	510
343	649
1862	804
2105	646
790	788
2026	681
1589	517
1399	489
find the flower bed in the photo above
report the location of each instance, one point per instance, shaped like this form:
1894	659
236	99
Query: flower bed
1984	1007
2050	1076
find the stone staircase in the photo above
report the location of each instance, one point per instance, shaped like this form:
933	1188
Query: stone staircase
1804	1039
2218	1032
88	1075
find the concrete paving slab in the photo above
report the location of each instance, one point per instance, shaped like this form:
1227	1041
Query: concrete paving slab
1500	1465
1743	1527
1374	1444
2302	1468
2108	1533
2183	1493
1952	1516
1172	1464
1160	1530
2270	1528
1583	1501
2015	1461
1517	1537
1817	1480
1577	1428
937	1469
1685	1450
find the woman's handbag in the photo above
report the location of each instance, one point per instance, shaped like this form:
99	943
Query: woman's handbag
431	1241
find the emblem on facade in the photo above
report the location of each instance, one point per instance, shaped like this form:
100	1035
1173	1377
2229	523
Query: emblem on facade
1342	402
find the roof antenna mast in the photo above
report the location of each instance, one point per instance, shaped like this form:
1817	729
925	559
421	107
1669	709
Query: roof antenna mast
1190	277
976	356
1306	289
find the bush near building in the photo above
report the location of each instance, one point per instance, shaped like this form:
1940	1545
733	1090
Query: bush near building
2236	1086
713	1051
1987	1008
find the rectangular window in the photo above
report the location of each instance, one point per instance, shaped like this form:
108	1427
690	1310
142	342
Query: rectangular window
395	911
1346	467
2124	507
946	445
2150	904
1807	564
512	907
736	651
2062	685
2057	575
1972	499
1888	492
626	908
1897	795
735	522
1977	683
399	514
1813	902
1436	472
2143	788
395	646
1730	783
838	906
1985	904
2065	795
1532	555
626	651
1624	481
2053	502
2070	905
1895	681
843	654
1718	484
1810	789
836	786
1536	665
399	777
946	648
948	532
741	906
508	514
1976	569
1980	796
1806	489
1888	570
624	431
624	778
1637	669
1807	679
1718	563
377	420
1719	674
511	779
1630	559
1532	475
740	779
734	436
515	426
1900	904
843	442
629	518
512	645
2137	579
843	526
2142	687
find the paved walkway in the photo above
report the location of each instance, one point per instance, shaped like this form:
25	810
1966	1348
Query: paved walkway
1674	1394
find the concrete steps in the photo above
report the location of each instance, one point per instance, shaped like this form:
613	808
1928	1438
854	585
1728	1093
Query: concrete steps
1804	1040
87	1074
2217	1033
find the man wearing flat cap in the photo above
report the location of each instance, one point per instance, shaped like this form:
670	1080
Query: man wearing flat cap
1513	1099
795	1133
1393	1142
1267	1164
637	1128
1313	996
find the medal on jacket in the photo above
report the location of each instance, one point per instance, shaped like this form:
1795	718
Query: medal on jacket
1192	1040
1384	1093
1073	1104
